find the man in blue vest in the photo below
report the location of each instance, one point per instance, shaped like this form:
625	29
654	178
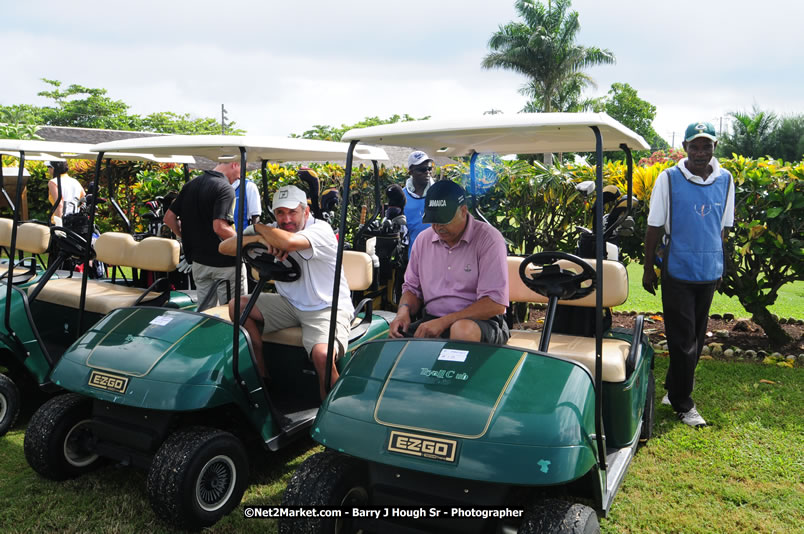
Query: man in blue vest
693	204
251	212
420	166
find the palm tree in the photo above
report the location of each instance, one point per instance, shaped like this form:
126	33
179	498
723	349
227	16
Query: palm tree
543	48
750	134
568	98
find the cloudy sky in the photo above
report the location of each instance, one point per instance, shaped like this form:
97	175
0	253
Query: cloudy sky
282	66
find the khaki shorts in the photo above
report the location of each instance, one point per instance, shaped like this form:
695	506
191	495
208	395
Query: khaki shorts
278	313
205	277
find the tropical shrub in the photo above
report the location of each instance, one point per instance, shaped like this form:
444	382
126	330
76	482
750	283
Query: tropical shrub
38	205
671	155
766	245
535	207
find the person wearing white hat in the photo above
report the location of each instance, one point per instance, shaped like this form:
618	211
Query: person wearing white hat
306	302
420	166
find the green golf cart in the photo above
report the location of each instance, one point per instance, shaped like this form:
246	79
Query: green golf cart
546	424
46	308
175	391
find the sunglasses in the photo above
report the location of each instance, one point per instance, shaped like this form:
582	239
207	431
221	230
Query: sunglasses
425	168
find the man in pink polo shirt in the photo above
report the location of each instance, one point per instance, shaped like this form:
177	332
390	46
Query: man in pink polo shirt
457	274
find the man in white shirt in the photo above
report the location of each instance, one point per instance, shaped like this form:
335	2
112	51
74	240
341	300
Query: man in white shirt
306	302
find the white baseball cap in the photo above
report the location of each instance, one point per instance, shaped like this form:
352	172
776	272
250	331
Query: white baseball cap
289	196
417	157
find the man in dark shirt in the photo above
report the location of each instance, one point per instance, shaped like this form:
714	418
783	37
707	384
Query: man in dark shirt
202	217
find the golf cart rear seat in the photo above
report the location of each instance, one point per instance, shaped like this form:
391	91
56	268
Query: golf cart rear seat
114	248
577	348
32	238
358	268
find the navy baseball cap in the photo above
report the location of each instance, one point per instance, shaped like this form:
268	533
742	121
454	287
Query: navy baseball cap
442	201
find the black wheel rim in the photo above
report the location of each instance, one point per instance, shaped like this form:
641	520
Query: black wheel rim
215	483
356	496
76	450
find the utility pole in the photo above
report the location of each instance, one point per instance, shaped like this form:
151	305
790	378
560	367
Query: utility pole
223	120
673	144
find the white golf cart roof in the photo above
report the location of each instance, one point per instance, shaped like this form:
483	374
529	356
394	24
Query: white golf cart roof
33	156
42	150
59	151
223	148
525	133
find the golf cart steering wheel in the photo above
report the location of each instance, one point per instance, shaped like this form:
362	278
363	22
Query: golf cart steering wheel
256	256
549	279
70	242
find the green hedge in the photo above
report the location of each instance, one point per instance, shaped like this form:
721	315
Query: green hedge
536	208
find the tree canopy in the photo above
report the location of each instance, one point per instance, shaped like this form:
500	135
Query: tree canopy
623	104
88	107
329	133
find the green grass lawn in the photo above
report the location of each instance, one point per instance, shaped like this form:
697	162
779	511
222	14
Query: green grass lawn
745	473
789	303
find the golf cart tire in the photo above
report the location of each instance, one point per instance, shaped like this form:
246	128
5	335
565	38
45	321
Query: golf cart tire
648	415
324	479
58	438
186	459
9	404
553	516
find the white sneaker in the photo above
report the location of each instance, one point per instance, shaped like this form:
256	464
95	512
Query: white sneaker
666	399
692	418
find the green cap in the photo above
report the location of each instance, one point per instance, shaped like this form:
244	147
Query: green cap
442	201
700	129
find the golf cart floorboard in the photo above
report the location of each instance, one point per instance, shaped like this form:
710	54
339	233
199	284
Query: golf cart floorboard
617	462
293	426
298	415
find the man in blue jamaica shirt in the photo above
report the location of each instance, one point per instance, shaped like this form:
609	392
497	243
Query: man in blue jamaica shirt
693	204
420	166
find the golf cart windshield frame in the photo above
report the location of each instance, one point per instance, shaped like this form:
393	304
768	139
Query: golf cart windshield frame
467	138
221	148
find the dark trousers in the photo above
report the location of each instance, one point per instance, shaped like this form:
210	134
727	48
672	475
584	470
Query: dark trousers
686	314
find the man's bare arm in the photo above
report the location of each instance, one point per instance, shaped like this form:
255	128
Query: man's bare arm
229	246
53	193
282	239
649	280
409	305
172	222
223	229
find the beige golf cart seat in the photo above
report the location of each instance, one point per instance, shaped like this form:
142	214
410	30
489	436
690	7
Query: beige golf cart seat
577	348
114	248
32	238
358	268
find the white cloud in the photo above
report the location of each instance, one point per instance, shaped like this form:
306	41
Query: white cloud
281	67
